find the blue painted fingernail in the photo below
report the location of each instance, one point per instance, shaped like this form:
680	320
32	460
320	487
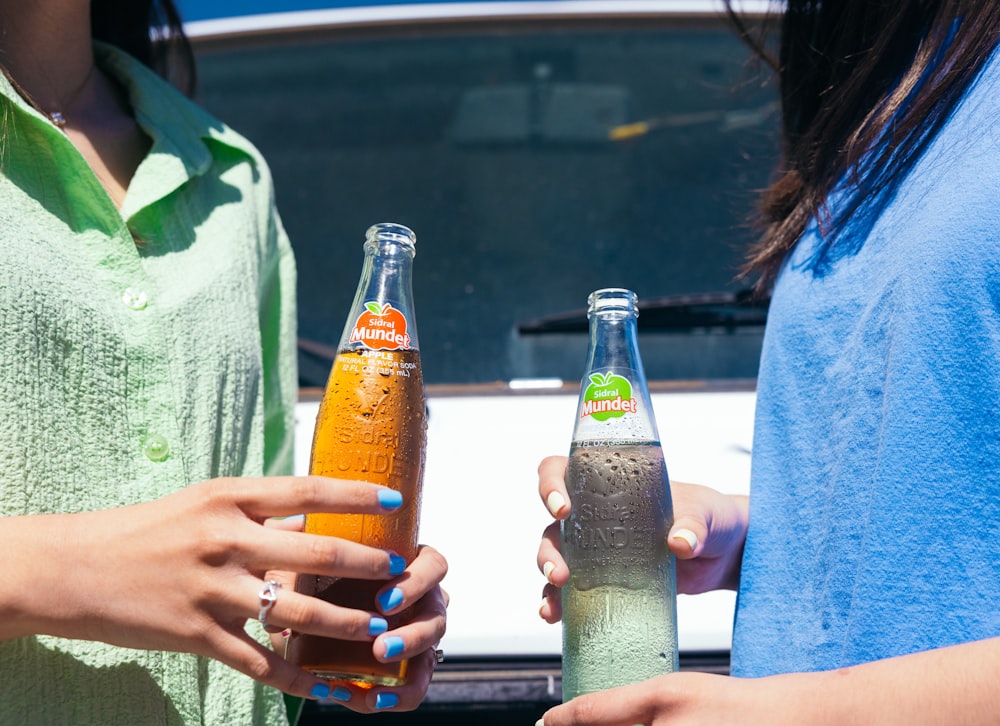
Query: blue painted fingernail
296	518
377	625
320	690
386	700
393	646
390	599
396	564
338	695
390	499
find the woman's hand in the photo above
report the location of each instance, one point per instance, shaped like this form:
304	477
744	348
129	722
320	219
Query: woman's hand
707	536
419	586
184	573
694	698
956	684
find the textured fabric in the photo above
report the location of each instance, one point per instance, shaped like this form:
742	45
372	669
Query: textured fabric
134	367
875	492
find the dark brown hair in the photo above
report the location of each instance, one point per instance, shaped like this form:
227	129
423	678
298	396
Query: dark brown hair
150	30
865	85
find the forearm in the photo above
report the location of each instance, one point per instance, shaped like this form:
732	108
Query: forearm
40	550
954	685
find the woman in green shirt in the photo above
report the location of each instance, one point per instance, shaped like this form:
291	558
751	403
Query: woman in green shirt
147	331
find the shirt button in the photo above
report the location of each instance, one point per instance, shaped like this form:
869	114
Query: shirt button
135	299
156	447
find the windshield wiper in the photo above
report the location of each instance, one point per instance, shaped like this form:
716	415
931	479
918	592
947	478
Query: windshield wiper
317	349
677	313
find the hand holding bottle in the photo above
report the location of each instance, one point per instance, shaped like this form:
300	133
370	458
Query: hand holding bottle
619	603
706	538
371	426
417	589
185	572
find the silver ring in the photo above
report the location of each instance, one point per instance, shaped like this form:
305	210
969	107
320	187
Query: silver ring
268	596
439	655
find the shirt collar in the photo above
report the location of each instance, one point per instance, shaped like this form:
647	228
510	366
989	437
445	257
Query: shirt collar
181	132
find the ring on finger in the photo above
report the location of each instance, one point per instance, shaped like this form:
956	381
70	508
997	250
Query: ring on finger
268	596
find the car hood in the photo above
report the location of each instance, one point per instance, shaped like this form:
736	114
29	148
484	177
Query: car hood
482	511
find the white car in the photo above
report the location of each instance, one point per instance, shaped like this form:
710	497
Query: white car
539	150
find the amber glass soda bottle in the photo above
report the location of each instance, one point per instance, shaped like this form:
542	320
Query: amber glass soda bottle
372	426
620	604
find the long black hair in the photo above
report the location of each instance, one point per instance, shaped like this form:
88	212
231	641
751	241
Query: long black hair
865	85
150	30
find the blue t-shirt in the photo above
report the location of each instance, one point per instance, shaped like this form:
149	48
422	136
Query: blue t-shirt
875	491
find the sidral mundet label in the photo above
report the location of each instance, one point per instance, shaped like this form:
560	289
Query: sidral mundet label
381	327
608	395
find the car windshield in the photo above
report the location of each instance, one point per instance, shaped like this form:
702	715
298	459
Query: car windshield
536	161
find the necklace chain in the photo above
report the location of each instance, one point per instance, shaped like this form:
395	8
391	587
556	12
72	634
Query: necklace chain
56	117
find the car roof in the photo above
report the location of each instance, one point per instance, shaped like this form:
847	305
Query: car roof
224	17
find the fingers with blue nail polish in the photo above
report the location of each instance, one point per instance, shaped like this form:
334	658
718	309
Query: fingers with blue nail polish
339	693
320	691
386	700
393	646
396	564
377	625
390	599
389	499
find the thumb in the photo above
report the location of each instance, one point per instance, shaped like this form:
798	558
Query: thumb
687	537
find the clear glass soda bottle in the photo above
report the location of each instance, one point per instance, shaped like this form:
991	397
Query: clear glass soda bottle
371	426
620	605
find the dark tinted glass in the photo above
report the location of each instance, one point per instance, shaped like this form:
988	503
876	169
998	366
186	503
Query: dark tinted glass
495	146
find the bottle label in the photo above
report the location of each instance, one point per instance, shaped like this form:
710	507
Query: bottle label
608	396
381	327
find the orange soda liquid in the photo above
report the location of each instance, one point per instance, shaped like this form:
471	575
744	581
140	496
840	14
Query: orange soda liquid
371	427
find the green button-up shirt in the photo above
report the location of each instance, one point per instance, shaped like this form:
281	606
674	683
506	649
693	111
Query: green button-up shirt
142	350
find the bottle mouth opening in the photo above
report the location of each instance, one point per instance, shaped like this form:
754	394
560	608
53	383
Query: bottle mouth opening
391	232
612	300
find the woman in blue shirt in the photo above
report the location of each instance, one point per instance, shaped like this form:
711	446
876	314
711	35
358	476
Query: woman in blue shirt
867	559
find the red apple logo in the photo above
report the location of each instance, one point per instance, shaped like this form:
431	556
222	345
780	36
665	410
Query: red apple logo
381	327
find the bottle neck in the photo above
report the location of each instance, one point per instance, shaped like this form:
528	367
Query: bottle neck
614	402
381	315
614	343
387	275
